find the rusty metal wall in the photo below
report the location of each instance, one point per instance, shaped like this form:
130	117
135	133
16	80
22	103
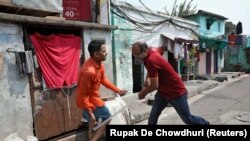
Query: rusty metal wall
54	111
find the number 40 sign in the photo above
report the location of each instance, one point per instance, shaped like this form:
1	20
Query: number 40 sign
77	10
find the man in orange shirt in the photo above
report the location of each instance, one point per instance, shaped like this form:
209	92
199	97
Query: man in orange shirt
92	75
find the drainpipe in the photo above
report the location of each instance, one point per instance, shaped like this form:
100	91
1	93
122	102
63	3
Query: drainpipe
113	50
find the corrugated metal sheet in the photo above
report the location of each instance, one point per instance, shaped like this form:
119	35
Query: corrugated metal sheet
55	114
47	5
54	111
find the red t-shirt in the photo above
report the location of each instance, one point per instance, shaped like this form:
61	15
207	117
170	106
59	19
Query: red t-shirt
170	84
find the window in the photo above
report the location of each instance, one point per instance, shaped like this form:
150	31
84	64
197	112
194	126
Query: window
209	22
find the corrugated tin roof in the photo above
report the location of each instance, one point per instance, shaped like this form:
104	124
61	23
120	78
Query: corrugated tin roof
206	13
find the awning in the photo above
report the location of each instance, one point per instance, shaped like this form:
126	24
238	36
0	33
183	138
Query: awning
218	44
182	36
155	39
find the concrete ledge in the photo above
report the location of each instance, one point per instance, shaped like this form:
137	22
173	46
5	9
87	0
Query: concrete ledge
138	108
131	97
140	111
198	86
227	76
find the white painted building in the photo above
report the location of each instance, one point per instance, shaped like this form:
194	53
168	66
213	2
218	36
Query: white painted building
157	29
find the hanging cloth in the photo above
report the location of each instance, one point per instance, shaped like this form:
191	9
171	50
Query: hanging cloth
239	28
186	54
21	63
238	39
58	58
178	50
248	42
29	62
232	40
197	54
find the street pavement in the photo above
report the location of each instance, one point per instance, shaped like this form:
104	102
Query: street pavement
228	103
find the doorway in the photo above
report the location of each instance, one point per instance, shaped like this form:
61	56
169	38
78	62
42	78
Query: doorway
54	110
138	76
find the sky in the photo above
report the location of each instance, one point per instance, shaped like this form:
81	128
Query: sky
234	10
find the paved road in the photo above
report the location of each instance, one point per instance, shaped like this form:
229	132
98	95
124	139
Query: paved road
226	104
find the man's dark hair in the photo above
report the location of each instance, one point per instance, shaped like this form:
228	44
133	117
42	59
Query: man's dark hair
141	45
95	46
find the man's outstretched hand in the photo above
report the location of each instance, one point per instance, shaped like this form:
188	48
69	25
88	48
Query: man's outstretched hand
141	96
122	92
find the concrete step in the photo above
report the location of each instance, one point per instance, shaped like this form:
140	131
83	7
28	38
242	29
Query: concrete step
221	77
195	87
139	109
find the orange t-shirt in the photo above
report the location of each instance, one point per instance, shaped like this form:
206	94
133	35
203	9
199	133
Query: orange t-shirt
90	78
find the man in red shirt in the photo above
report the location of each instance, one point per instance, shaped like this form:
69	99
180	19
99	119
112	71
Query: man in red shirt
170	88
92	75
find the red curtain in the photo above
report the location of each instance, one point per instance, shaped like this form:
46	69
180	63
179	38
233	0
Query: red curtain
58	56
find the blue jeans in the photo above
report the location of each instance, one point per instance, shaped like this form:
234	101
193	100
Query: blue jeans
99	112
180	105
